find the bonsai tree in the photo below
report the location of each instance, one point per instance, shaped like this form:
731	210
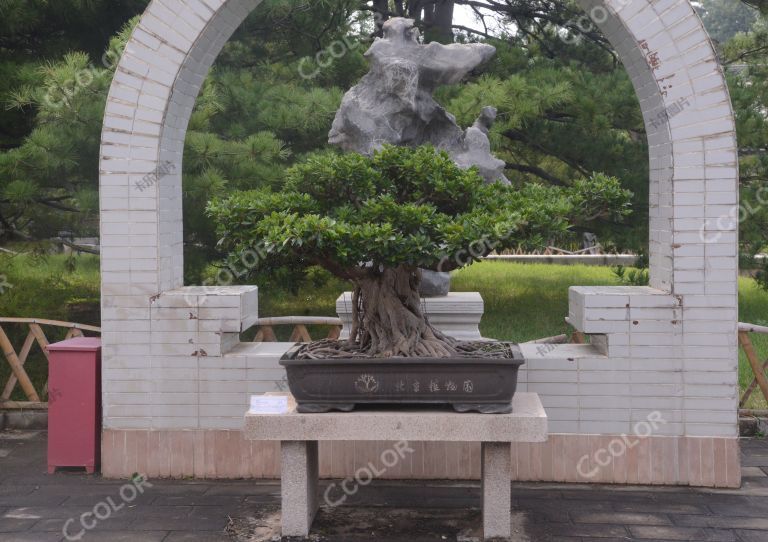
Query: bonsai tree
377	220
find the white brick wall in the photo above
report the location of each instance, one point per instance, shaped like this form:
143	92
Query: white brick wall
170	353
689	376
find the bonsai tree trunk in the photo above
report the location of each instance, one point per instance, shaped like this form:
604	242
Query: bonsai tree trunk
388	320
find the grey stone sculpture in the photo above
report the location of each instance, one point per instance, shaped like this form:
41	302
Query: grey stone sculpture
476	149
393	104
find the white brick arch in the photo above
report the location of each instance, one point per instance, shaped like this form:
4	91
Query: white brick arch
159	338
177	41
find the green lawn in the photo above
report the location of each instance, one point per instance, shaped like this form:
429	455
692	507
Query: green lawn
47	287
522	301
527	301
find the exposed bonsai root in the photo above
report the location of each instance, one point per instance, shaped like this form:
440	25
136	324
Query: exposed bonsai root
329	349
388	321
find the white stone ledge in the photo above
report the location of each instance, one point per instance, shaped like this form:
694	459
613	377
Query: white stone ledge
569	352
233	306
526	423
609	309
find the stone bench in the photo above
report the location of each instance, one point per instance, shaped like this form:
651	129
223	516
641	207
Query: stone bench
299	435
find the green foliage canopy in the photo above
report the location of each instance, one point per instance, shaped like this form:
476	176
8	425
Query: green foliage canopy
355	215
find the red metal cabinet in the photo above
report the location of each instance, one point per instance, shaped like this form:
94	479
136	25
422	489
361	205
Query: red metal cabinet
74	404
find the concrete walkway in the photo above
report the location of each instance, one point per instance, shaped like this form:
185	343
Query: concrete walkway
35	507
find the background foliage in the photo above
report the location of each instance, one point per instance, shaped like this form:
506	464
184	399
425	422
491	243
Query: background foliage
566	106
351	214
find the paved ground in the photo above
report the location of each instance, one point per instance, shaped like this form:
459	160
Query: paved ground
35	507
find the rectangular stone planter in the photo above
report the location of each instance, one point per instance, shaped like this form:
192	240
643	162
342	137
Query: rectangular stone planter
467	384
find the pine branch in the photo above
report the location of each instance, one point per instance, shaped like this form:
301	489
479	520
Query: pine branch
533	170
517	135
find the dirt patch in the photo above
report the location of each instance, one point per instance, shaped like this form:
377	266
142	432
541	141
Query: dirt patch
353	524
262	526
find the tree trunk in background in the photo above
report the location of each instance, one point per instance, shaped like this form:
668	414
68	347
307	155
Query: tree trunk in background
380	10
415	9
438	19
437	16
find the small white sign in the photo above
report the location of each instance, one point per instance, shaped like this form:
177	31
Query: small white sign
269	404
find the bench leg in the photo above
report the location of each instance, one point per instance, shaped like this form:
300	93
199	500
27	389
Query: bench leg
497	490
299	473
